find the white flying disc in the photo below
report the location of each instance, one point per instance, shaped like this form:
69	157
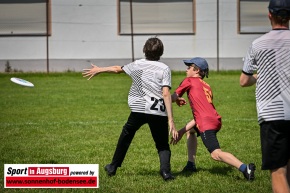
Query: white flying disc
22	82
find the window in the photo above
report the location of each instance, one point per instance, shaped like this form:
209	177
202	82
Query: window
253	16
156	17
25	17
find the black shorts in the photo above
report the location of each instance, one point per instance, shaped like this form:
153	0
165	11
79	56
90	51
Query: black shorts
275	144
209	140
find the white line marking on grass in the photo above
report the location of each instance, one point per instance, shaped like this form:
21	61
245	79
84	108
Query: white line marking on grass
241	119
110	122
63	122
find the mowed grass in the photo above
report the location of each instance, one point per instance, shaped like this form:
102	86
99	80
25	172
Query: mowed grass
66	119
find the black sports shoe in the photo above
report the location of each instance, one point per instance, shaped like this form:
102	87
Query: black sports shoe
189	168
249	172
110	169
167	175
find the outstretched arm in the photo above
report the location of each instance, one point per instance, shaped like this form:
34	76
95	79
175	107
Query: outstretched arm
182	131
95	70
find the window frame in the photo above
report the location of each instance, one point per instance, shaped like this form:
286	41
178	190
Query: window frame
46	32
129	32
264	28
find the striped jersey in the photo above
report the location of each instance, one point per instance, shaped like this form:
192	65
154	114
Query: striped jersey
148	78
270	56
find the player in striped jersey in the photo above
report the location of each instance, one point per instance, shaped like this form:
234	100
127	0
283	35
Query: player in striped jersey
269	56
149	101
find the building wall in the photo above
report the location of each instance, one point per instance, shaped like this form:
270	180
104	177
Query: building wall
87	31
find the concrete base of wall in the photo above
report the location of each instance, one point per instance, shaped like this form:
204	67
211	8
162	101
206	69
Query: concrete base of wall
77	65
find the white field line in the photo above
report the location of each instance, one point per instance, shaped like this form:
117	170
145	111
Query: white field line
110	122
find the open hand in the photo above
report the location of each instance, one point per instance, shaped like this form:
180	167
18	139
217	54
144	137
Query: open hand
91	72
174	141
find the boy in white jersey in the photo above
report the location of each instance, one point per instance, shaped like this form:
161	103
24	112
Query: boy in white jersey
150	102
270	56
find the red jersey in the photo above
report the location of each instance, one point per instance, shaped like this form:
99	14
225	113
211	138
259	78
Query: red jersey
200	97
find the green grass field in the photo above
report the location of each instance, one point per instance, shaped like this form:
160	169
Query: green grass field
66	119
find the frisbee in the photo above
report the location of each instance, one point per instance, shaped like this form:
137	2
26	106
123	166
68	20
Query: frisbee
22	82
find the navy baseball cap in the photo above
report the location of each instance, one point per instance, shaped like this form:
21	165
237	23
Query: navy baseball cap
279	7
200	62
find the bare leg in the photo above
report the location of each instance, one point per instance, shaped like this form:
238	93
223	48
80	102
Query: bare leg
191	146
191	151
247	170
288	173
226	157
279	180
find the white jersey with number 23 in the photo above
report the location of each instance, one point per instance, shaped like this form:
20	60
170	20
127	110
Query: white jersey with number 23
148	79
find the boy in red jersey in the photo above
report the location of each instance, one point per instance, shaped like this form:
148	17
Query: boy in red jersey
207	121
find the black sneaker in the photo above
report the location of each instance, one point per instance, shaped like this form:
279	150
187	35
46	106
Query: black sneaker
249	172
110	169
188	168
167	175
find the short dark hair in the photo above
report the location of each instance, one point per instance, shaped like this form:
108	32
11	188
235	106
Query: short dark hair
282	17
280	11
153	49
202	73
